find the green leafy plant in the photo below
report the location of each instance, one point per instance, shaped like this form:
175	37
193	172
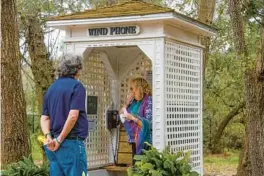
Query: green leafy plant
26	167
155	163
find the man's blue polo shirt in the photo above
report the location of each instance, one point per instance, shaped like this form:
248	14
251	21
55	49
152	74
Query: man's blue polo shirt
63	95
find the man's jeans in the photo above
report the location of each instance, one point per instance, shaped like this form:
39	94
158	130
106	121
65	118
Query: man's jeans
68	160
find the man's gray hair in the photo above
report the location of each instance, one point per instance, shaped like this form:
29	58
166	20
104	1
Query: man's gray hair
69	65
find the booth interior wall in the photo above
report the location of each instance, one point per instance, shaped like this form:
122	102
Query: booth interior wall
96	81
183	95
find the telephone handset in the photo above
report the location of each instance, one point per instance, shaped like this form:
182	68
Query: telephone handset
112	119
123	116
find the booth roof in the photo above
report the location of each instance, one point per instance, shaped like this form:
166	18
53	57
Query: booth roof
130	8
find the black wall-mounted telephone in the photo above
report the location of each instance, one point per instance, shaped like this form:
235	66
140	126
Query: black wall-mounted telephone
112	119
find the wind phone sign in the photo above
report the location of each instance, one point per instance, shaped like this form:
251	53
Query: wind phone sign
114	31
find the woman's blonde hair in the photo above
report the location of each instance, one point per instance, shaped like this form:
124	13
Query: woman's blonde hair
142	85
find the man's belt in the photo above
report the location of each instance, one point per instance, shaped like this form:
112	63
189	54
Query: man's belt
72	137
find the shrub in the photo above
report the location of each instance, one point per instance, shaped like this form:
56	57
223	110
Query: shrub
155	163
26	167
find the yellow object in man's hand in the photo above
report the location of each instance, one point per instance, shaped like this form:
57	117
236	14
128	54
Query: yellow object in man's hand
41	139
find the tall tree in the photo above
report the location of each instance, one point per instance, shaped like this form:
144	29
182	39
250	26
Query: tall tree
41	64
32	13
14	133
253	84
206	9
32	33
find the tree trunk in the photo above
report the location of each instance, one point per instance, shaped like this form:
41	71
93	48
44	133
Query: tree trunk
41	65
205	14
238	28
244	167
221	128
14	132
254	96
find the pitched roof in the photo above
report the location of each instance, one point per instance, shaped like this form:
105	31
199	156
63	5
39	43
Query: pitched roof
130	8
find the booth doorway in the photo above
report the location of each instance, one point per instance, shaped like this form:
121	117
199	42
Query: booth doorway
105	73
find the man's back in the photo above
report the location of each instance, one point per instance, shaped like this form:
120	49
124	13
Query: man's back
64	121
63	95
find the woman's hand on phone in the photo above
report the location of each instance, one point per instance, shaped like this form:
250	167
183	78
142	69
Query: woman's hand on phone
123	110
130	117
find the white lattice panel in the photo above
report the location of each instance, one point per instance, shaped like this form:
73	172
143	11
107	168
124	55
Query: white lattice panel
95	79
139	69
183	96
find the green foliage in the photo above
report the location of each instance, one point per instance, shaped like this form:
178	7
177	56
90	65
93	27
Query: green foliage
33	123
26	167
233	136
223	83
36	147
224	76
253	9
155	163
45	9
223	91
186	7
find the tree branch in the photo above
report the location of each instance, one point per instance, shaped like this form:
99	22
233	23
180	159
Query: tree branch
25	60
223	125
31	78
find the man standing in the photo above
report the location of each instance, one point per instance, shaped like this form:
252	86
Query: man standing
64	120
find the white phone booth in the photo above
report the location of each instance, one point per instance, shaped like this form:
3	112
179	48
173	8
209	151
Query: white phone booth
137	38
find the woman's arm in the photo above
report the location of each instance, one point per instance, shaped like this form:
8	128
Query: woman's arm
136	120
148	113
130	98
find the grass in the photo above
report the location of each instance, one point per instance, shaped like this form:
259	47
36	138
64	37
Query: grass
225	164
222	159
36	150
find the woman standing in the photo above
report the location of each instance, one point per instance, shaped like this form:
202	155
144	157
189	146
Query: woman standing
138	114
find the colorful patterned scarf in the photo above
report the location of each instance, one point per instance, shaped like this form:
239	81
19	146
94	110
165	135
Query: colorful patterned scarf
137	134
